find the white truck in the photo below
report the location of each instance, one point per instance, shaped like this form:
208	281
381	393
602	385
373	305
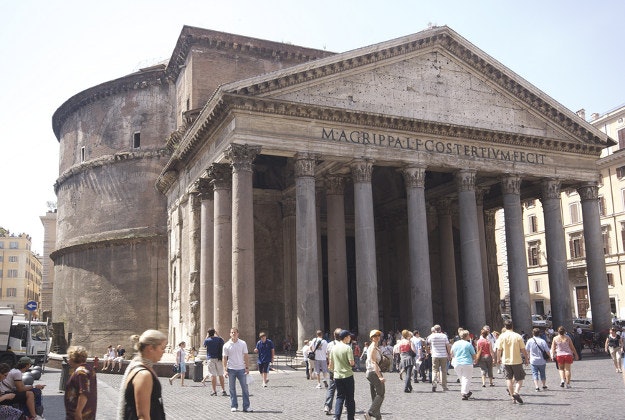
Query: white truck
21	337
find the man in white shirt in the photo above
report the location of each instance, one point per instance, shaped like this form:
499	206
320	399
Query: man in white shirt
236	366
320	347
441	351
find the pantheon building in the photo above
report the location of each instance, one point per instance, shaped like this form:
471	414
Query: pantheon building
273	187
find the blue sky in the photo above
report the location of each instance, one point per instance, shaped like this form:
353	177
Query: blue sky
52	50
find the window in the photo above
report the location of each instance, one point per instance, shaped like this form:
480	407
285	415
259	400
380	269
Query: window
538	286
610	279
533	253
620	172
623	233
602	206
11	292
12	245
574	211
605	233
136	140
532	223
621	138
82	154
13	258
11	273
576	245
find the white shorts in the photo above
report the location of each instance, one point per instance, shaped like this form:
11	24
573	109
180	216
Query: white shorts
215	367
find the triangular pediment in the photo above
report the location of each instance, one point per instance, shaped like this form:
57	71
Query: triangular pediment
435	76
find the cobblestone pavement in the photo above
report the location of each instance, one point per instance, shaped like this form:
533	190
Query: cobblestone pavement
597	392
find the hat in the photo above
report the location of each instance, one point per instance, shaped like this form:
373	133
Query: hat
343	334
374	333
25	360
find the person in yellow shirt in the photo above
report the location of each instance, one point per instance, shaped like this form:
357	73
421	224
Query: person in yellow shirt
510	346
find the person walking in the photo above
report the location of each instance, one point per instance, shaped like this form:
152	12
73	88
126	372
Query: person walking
214	350
376	380
266	354
440	352
81	389
536	347
485	353
406	359
140	393
341	363
463	356
320	347
181	364
614	345
327	405
236	365
510	347
305	351
563	352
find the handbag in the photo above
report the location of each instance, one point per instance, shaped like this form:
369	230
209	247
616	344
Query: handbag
175	368
542	351
311	354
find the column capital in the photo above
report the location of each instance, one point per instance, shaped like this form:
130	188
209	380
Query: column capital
588	192
443	206
479	194
465	179
511	184
202	186
221	176
242	156
551	188
414	176
362	170
335	184
305	164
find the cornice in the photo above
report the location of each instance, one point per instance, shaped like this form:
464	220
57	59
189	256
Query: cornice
141	80
107	160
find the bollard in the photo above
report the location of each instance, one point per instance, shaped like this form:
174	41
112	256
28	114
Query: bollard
64	375
198	371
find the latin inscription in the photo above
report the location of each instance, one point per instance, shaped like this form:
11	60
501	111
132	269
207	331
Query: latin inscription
431	146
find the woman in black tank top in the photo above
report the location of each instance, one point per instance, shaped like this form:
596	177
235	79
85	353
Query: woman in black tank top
140	395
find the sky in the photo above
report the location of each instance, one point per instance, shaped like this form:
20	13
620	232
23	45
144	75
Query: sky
52	50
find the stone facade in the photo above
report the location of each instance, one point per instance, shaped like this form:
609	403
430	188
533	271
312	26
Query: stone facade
303	189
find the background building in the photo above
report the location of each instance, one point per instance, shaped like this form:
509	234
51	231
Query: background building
47	282
20	272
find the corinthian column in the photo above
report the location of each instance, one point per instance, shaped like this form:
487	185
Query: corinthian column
595	258
517	261
559	287
221	179
482	232
337	260
473	283
206	258
289	267
243	281
308	287
418	248
448	266
366	270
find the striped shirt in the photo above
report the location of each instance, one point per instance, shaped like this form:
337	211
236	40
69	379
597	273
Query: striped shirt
438	344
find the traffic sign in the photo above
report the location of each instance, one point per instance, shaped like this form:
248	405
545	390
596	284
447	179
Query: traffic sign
31	305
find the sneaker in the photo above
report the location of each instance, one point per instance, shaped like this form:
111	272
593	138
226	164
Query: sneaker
517	398
249	410
483	385
544	386
562	384
264	385
325	383
469	394
537	389
326	410
233	409
224	394
214	394
318	386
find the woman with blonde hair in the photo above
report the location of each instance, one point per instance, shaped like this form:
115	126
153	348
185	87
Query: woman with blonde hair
81	390
140	393
563	351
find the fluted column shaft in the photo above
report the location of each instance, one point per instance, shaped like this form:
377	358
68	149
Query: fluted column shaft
289	267
473	283
517	262
418	249
366	269
221	180
559	286
482	232
448	266
595	258
308	290
243	280
337	259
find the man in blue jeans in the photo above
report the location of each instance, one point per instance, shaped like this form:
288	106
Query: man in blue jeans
236	364
327	407
341	363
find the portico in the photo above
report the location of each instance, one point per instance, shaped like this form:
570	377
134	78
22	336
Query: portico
413	143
